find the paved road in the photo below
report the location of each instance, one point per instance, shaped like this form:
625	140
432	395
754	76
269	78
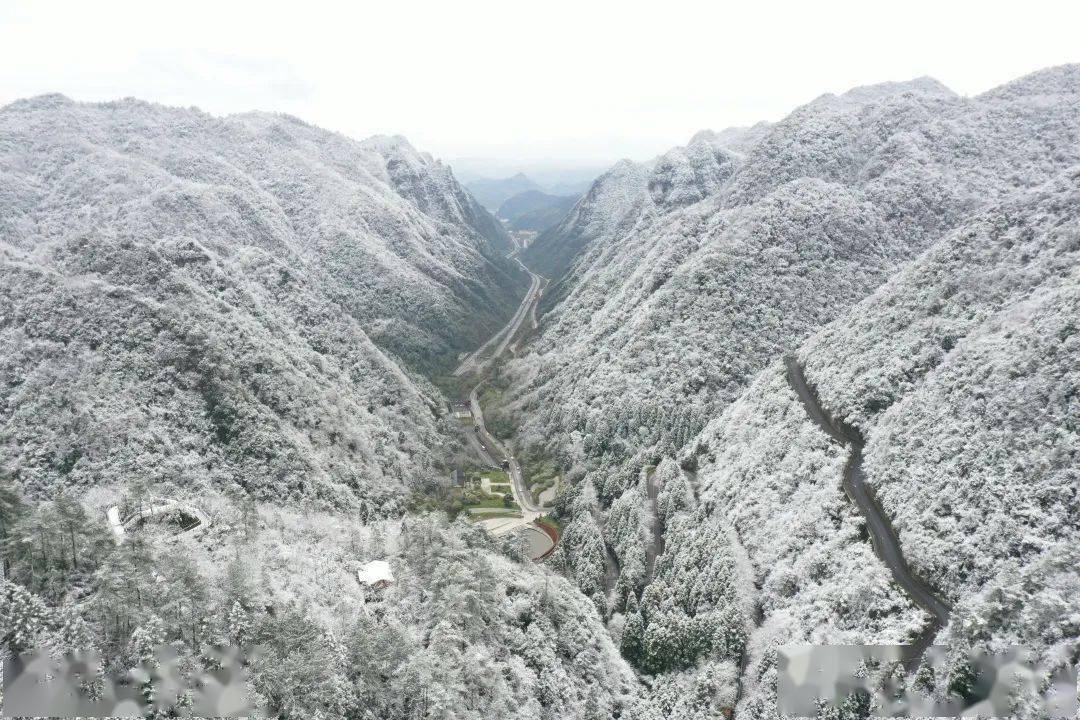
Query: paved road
495	449
882	534
612	566
490	449
539	294
475	362
120	531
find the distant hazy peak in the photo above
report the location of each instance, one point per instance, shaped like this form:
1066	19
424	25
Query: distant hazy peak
493	192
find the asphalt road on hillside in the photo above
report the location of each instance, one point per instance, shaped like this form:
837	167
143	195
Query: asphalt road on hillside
884	538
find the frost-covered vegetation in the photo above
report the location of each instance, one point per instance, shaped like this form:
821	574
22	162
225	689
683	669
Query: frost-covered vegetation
237	302
687	279
237	312
960	372
673	302
963	373
467	630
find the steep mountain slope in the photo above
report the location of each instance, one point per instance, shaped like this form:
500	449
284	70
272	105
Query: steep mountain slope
674	302
614	200
960	373
193	299
630	191
467	630
493	192
681	297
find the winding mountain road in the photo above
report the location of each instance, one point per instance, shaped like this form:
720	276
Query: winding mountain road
886	544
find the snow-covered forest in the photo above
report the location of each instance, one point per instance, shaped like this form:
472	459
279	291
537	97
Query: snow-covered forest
257	317
688	279
243	303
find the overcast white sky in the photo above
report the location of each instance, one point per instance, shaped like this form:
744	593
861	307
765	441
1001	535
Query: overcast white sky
554	80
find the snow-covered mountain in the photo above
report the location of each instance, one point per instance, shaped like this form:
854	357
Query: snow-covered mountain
671	305
937	235
245	311
960	374
243	301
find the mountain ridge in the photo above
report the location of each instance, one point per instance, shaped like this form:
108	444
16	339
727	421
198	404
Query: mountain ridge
659	352
226	281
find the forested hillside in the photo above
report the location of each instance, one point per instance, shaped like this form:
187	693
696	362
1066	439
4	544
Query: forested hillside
675	301
960	372
242	303
249	315
234	313
687	279
467	630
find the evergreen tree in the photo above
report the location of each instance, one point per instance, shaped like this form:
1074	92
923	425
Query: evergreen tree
633	639
12	510
72	520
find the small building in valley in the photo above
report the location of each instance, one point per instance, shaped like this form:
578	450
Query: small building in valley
462	411
457	479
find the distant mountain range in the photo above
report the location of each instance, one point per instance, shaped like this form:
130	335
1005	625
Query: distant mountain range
492	193
534	210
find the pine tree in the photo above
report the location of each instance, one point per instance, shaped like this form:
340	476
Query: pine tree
23	616
238	624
